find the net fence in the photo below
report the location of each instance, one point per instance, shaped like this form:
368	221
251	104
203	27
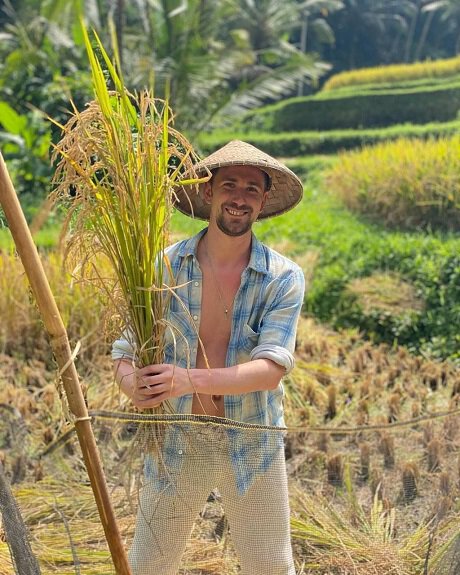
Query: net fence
201	496
366	476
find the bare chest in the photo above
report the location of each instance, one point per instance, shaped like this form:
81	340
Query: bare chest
217	304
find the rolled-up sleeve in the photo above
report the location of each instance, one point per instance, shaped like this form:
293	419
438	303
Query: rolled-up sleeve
278	329
123	348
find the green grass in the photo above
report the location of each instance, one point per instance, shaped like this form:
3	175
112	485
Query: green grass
46	238
347	247
314	143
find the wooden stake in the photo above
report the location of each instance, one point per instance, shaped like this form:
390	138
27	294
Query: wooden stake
61	348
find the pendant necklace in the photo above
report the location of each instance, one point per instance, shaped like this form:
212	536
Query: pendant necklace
219	291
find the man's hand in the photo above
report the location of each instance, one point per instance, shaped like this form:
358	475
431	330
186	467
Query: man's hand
154	384
149	386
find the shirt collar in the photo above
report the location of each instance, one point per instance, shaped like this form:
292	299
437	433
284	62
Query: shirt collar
257	259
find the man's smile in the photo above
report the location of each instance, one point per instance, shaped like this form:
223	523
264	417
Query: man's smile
237	212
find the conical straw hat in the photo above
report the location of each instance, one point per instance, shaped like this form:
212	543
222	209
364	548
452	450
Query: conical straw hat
285	192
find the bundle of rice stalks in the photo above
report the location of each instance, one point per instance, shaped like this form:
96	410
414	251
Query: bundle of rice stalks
333	542
64	526
119	162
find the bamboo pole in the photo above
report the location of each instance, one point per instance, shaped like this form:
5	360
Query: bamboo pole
62	351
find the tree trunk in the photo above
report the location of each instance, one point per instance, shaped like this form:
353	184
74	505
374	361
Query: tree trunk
411	35
119	9
303	49
423	36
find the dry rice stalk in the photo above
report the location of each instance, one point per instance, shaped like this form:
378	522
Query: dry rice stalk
119	162
364	546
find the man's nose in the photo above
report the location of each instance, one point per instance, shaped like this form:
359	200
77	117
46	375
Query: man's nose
238	196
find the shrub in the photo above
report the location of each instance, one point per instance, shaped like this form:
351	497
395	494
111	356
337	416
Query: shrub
396	73
331	111
294	144
402	84
407	184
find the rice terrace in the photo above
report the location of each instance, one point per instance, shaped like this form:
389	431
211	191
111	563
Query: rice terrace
97	142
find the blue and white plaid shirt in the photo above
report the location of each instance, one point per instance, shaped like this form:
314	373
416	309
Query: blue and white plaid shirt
265	314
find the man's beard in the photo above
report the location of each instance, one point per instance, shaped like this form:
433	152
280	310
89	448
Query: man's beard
237	228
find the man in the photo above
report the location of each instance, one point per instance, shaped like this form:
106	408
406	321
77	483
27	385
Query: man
233	321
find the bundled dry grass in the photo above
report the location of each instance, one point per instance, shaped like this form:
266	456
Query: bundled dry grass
119	162
406	183
359	544
386	292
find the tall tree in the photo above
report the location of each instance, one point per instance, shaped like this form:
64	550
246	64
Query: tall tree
274	64
314	24
449	12
219	56
369	32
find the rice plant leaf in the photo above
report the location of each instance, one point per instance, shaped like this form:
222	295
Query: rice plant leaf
97	74
115	71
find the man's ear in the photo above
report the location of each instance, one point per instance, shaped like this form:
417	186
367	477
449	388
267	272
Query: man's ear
264	200
207	192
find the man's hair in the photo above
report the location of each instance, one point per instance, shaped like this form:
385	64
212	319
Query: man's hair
267	178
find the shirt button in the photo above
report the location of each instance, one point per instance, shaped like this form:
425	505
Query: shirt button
195	317
197	284
180	452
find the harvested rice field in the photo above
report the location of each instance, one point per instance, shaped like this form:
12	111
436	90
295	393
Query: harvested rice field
372	454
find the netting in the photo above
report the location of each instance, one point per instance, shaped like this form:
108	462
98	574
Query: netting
353	497
209	496
372	475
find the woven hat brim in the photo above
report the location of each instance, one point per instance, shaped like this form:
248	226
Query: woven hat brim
285	192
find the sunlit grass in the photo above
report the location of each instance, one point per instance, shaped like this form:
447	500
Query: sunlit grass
406	184
396	73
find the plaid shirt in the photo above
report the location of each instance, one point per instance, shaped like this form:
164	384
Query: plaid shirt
264	321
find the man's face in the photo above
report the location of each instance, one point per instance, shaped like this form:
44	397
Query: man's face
237	195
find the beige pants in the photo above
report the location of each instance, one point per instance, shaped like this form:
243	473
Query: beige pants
259	518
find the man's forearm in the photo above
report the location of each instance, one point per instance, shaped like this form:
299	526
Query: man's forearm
149	386
125	373
256	375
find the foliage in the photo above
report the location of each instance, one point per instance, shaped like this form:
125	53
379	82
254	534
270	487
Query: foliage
406	184
391	31
213	57
395	73
298	144
39	66
358	109
350	248
25	144
81	306
207	55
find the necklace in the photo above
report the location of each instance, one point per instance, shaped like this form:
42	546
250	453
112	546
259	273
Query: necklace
219	291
